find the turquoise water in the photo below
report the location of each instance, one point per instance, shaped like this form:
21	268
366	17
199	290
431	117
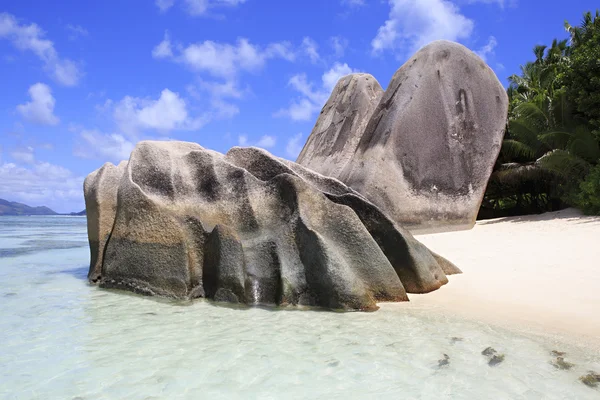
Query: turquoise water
63	339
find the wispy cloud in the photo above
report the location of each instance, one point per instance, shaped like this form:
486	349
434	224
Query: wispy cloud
339	45
313	97
294	147
197	8
76	31
353	3
265	141
32	38
488	49
310	48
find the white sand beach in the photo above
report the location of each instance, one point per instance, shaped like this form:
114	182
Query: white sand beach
538	272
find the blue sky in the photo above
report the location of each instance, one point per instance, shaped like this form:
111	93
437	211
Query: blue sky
83	81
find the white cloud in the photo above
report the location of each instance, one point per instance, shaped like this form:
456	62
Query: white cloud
164	5
312	100
197	8
310	48
294	147
40	109
218	93
331	77
163	49
169	112
76	31
97	145
31	38
414	23
42	183
24	155
488	49
223	60
265	142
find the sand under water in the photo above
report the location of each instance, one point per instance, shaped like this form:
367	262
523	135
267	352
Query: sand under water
64	339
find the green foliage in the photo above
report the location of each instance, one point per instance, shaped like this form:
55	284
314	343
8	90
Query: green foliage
551	147
588	199
583	74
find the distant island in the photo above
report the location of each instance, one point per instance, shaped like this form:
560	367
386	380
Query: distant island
14	208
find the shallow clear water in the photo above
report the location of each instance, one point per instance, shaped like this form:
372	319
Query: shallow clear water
63	339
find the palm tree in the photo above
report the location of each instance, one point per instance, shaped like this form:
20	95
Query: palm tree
580	33
546	150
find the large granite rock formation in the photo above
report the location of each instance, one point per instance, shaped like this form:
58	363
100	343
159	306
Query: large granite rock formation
181	221
429	147
100	192
341	124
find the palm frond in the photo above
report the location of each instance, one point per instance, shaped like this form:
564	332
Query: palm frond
513	149
584	145
564	164
556	139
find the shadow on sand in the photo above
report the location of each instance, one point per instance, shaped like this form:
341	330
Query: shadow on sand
566	214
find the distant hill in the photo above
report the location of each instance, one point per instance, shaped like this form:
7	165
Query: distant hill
80	213
14	208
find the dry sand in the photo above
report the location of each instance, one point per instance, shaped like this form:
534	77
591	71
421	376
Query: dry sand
539	272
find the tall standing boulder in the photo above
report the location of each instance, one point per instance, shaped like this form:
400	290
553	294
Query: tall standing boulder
429	147
100	192
339	128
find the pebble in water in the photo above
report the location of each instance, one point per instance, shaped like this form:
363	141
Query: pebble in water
488	351
591	379
444	361
560	363
496	359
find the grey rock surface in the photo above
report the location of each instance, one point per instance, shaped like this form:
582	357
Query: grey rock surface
340	126
247	227
429	147
100	192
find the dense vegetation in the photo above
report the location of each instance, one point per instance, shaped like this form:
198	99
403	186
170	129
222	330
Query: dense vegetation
550	156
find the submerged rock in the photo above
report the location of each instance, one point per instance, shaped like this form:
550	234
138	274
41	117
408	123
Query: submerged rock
592	379
489	351
443	362
428	149
560	363
182	221
496	359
